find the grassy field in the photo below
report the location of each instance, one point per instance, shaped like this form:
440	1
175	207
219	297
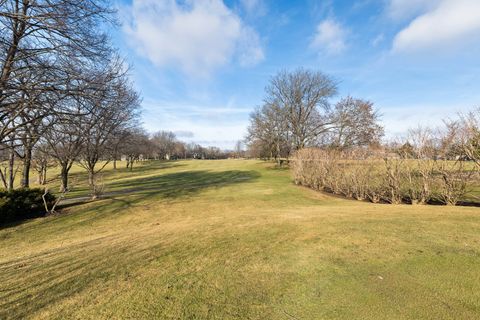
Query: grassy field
236	239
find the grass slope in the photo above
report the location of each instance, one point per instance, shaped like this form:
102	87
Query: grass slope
237	240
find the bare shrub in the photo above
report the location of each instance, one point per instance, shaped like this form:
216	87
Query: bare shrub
61	196
419	172
373	178
454	180
375	191
418	180
97	187
467	130
315	168
361	174
393	180
343	182
334	174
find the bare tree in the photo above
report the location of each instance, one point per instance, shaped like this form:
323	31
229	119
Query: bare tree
355	123
65	138
41	162
114	109
214	153
37	39
303	96
268	129
180	150
9	169
135	146
29	135
164	142
194	151
296	114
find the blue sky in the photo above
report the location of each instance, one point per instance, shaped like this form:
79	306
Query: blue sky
202	65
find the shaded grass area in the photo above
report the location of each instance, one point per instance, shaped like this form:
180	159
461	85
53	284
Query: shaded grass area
181	184
237	240
78	181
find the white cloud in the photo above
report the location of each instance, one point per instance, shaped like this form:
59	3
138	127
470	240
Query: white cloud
250	52
405	9
449	24
330	37
198	36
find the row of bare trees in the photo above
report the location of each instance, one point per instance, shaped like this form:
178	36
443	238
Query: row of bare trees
92	141
165	145
296	114
48	49
65	96
432	166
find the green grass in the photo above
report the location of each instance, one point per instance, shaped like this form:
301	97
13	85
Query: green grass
237	240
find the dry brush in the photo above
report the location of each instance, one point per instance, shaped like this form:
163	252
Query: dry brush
375	176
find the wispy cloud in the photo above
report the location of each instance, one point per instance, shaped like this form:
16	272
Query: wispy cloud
329	37
196	36
407	9
378	39
254	7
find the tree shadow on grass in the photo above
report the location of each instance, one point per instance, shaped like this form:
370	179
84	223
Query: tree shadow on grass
171	186
180	184
70	271
144	167
81	179
78	267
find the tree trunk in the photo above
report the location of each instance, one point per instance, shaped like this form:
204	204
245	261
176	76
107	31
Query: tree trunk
25	183
91	179
131	164
44	176
11	173
115	163
3	177
91	184
278	156
39	176
64	178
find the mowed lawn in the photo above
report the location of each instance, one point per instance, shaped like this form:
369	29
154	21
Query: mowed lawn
236	239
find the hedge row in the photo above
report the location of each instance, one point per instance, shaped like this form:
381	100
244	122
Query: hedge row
365	175
21	204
